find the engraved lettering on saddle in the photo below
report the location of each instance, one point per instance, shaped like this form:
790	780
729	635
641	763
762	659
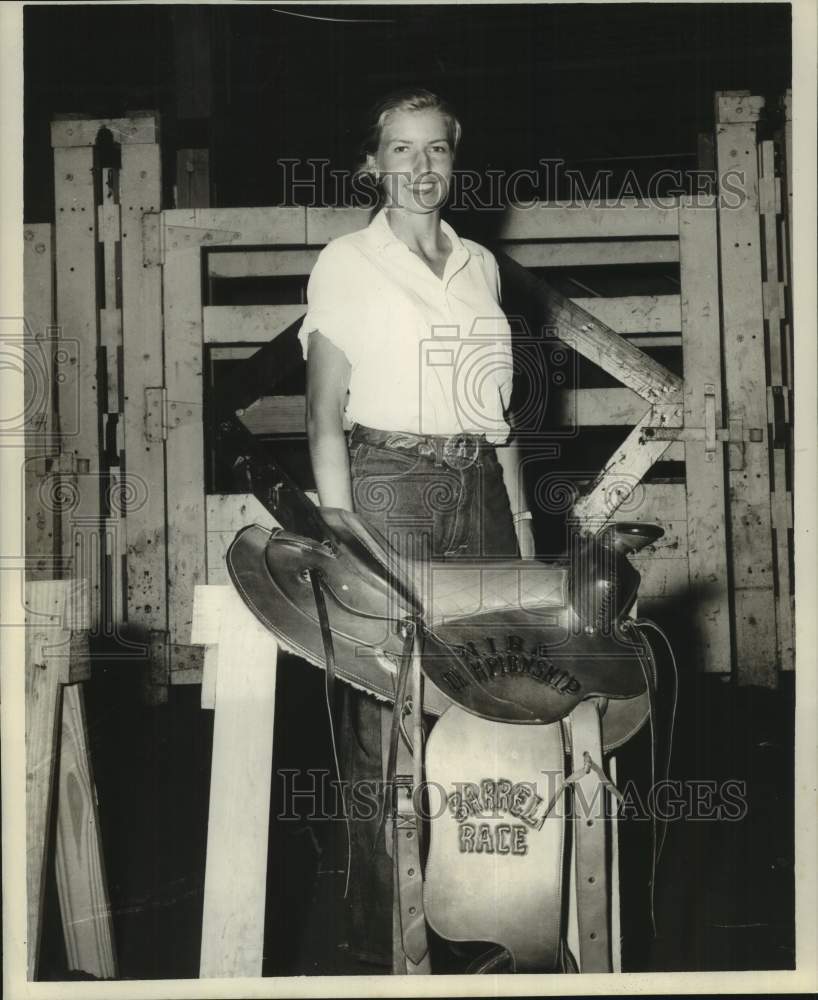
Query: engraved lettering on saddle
495	799
508	659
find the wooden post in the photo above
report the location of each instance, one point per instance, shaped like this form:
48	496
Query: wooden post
192	178
750	543
192	43
241	773
779	401
704	470
89	369
42	542
143	503
57	619
78	384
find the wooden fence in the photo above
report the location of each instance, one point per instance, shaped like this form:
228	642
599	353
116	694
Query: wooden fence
117	298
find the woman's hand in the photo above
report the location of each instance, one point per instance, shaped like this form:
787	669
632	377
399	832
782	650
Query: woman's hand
525	539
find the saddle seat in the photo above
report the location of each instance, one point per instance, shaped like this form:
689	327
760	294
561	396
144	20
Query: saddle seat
511	641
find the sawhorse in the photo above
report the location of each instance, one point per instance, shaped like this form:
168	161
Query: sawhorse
57	661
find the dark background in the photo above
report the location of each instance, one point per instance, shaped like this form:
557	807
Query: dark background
594	84
618	87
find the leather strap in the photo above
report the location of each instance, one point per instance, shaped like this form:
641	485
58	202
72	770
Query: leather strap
410	952
590	841
317	581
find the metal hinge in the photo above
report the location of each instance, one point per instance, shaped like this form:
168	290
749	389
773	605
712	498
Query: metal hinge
159	239
156	413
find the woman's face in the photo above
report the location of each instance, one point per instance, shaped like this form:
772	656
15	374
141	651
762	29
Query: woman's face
414	160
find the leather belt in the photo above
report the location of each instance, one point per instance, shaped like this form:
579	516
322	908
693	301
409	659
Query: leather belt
458	451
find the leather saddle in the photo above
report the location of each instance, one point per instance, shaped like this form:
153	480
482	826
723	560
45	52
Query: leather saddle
529	663
522	641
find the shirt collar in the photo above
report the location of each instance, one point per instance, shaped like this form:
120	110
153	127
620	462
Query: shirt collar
381	233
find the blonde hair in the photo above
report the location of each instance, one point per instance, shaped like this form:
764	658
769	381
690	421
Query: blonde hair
407	99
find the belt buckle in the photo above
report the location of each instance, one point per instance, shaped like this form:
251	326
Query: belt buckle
461	450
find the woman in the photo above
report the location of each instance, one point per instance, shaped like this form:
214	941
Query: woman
406	338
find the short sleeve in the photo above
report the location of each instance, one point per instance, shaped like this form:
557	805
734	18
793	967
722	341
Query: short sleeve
491	269
333	300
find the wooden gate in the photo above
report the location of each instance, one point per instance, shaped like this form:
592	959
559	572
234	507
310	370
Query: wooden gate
149	330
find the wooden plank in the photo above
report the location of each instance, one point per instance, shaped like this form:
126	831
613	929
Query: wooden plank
673	544
44	672
663	578
186	227
208	602
57	619
626	315
636	313
654	502
185	437
231	511
745	380
80	867
737	106
76	130
593	339
192	178
185	232
782	513
786	102
574	220
261	263
145	583
42	524
641	340
75	236
278	263
593	253
256	324
769	196
601	407
624	470
777	335
239	812
324	224
705	485
226	514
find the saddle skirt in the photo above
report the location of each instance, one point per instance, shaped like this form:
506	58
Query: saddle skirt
516	641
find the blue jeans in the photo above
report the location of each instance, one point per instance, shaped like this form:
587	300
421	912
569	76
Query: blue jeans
425	509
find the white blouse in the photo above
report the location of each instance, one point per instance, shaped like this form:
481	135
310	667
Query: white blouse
427	355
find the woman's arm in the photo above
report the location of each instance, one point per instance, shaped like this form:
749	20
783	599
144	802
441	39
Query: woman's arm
327	382
509	458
